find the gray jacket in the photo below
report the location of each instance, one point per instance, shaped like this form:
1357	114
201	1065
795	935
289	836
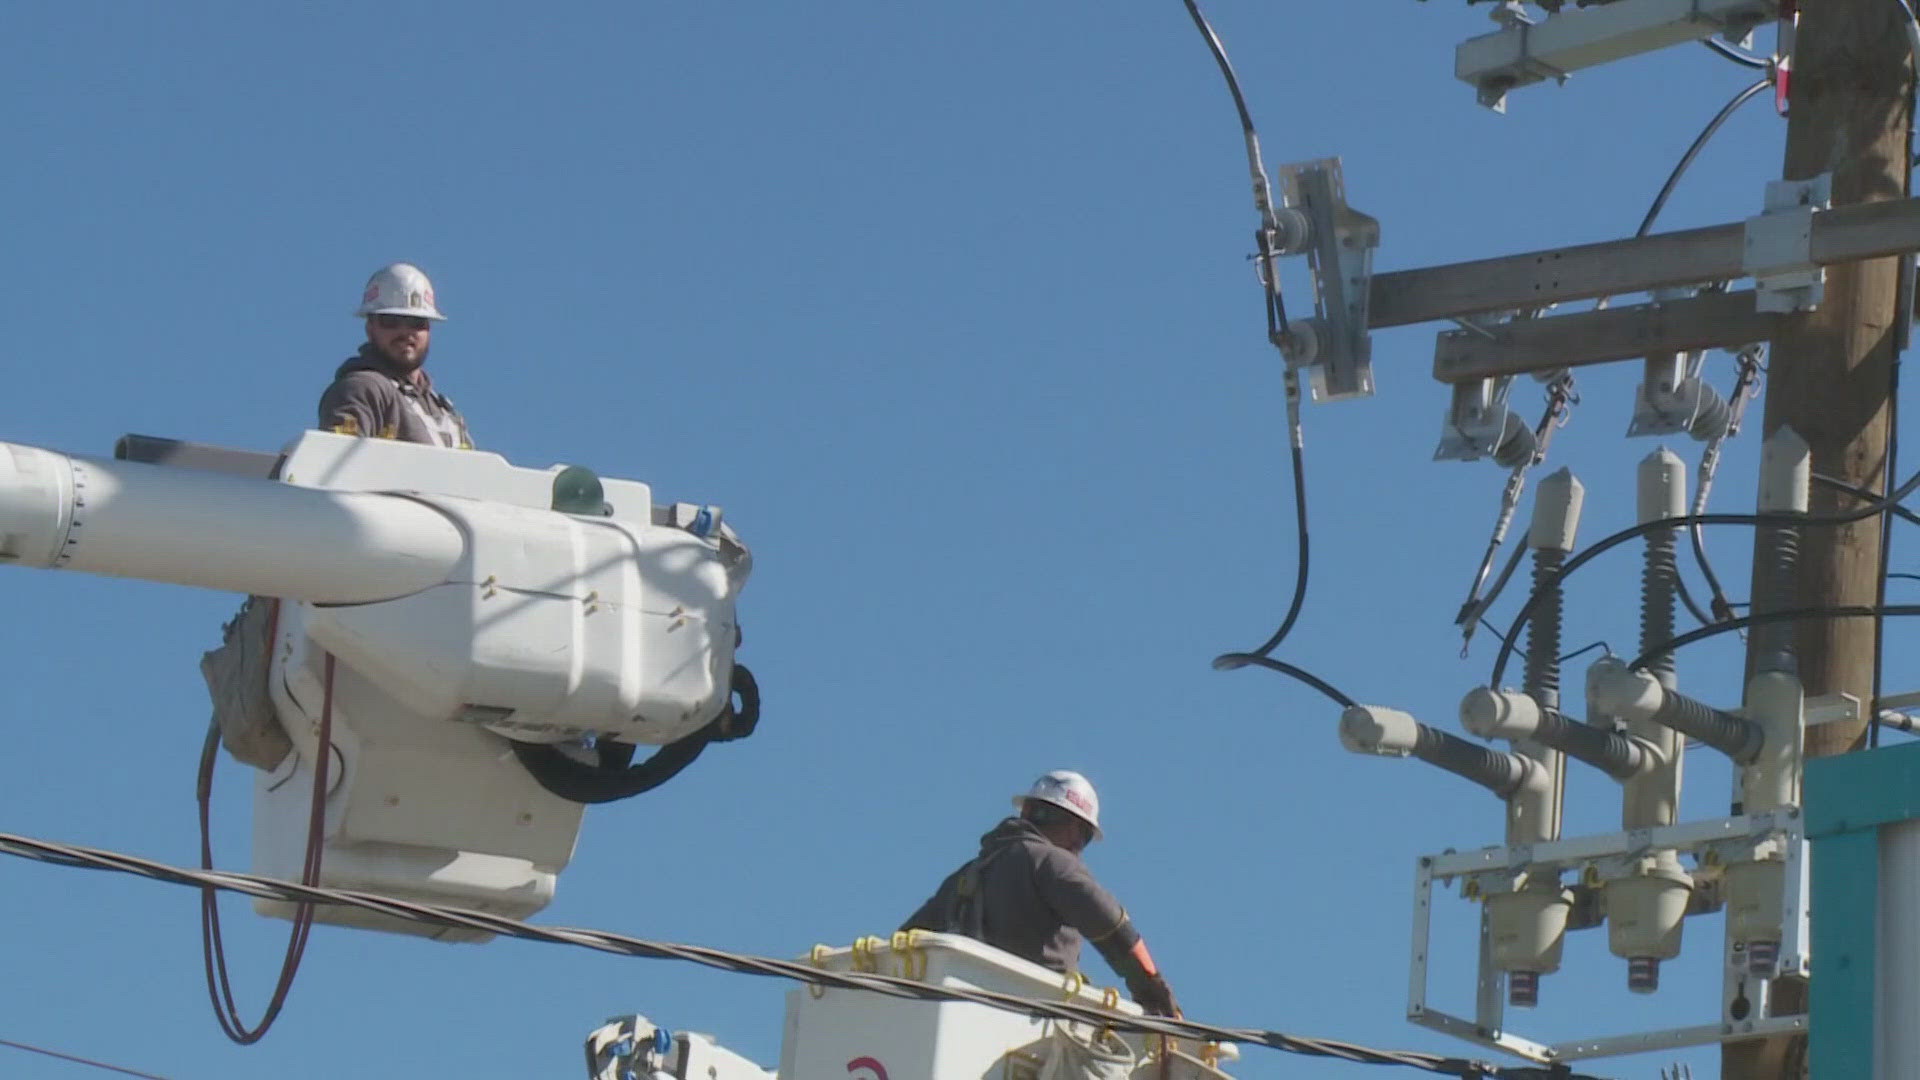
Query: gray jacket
369	397
1031	897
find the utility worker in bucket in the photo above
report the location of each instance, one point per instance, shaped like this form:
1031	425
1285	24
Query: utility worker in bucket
1028	892
383	390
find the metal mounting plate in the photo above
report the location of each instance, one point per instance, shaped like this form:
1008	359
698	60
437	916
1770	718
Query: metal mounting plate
1778	246
1340	252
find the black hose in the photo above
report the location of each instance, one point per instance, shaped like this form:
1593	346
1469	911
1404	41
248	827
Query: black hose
613	777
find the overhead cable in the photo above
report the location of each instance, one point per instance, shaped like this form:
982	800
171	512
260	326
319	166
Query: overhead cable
1233	661
1727	626
1621	537
78	1060
1686	159
1738	56
1266	240
1475	606
74	855
1744	386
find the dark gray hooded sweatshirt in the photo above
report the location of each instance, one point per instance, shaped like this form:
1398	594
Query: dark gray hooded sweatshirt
1030	897
370	397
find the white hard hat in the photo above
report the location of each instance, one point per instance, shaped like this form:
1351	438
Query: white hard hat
399	289
1069	791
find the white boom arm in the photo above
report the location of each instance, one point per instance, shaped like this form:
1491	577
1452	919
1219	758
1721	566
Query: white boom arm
191	527
462	598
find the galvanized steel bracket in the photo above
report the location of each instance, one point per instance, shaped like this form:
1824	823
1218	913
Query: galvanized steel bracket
1778	249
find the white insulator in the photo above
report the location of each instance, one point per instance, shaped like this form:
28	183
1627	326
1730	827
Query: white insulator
1303	340
1786	472
1292	232
1623	692
1517	443
1499	714
1556	512
1371	729
1775	702
1662	486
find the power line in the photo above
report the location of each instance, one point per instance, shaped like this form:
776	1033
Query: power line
78	1060
1789	520
1844	611
75	855
1277	327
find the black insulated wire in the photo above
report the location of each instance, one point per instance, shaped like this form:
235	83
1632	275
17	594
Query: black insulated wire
1303	543
1717	597
1277	330
78	1060
1700	141
1719	607
1744	59
1231	661
1686	599
1782	615
1900	512
764	966
1621	537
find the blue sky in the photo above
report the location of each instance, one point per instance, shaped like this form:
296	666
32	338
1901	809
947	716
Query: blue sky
948	306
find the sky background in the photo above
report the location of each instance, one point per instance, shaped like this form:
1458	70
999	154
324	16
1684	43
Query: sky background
949	306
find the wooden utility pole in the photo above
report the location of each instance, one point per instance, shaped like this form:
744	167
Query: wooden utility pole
1850	101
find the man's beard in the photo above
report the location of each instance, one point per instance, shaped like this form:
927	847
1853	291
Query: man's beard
404	365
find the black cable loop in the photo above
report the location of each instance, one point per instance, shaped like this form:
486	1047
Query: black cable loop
1232	661
613	776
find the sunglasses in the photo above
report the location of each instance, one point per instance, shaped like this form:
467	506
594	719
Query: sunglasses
400	322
